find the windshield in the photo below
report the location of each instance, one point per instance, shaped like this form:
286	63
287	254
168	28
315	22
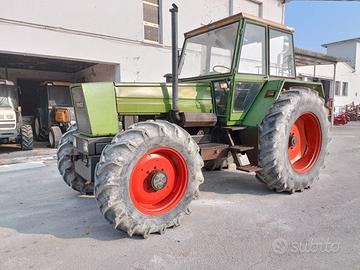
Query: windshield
209	53
59	95
8	96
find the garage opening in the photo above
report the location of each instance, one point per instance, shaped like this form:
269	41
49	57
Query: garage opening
42	86
29	72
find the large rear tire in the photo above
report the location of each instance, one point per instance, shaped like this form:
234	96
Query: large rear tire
27	139
147	177
66	165
293	141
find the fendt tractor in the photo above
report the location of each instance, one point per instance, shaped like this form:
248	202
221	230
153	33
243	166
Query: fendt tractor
140	147
12	128
54	113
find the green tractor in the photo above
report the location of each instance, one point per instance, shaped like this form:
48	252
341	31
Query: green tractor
140	147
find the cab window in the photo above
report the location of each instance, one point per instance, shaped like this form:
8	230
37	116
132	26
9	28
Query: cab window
281	54
253	50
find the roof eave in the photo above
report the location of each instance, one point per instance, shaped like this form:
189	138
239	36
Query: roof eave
341	41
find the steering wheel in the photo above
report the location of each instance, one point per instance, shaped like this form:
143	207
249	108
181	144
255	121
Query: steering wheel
219	66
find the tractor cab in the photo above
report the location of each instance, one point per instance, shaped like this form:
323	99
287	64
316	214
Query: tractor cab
12	129
8	95
54	113
54	93
237	56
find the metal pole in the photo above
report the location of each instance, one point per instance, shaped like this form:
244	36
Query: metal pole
175	56
332	95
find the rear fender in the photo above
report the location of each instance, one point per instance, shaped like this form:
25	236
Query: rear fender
269	94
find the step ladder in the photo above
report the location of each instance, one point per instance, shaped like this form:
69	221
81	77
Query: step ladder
240	149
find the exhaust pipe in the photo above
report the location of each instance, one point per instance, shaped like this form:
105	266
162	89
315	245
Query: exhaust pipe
175	56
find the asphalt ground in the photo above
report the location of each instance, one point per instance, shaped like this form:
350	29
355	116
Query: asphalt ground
236	224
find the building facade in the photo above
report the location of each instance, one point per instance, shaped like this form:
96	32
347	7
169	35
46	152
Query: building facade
347	77
94	40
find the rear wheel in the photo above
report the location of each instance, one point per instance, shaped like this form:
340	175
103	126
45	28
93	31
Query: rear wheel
293	141
54	136
27	139
66	165
147	177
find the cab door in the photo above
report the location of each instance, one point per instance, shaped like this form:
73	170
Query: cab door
251	69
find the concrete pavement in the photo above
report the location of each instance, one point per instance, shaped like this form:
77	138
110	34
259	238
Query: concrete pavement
236	224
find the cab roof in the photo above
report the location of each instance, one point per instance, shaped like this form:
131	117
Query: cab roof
56	83
238	17
6	82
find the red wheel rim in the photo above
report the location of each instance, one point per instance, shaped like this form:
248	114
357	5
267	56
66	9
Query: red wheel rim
158	162
304	142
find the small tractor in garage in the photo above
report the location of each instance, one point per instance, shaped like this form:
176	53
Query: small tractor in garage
12	129
140	147
54	113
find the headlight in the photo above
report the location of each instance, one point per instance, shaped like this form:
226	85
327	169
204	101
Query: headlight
86	146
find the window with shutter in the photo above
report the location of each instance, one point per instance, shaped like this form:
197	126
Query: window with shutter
151	21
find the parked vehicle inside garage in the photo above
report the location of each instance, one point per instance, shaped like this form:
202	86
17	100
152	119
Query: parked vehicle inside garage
140	147
12	129
54	112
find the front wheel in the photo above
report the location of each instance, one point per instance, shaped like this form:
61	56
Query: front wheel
147	177
27	139
293	141
66	164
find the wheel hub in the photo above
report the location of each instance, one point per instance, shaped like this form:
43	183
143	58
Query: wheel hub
305	140
293	141
158	180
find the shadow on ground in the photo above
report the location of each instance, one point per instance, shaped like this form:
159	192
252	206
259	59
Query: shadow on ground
233	182
43	204
12	153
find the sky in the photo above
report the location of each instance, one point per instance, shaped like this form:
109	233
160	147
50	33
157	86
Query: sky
320	22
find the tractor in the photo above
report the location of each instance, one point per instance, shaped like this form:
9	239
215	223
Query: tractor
140	147
12	128
54	113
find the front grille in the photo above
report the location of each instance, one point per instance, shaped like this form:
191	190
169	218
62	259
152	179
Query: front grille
6	117
7	125
82	117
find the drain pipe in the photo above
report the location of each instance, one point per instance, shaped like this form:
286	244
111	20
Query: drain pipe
175	56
